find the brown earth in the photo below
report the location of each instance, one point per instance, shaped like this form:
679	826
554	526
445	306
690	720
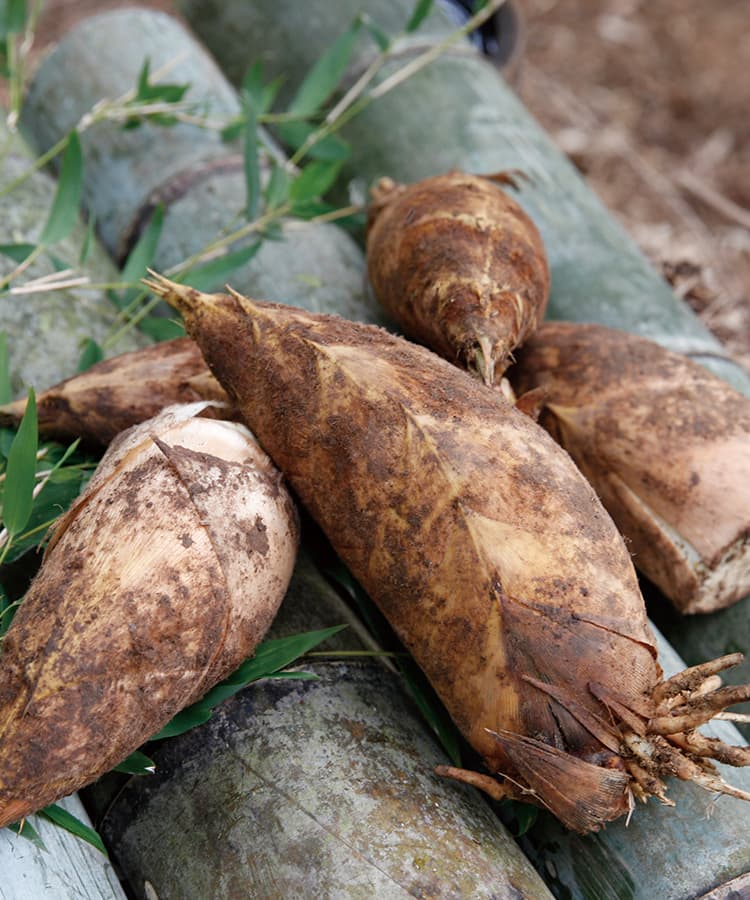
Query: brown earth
651	101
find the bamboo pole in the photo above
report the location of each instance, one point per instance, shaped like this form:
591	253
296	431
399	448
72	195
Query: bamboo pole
188	169
46	329
65	868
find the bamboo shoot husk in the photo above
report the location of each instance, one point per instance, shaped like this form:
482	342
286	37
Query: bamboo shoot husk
665	443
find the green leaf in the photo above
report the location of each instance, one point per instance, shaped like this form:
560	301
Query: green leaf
136	764
75	826
13	19
381	37
324	77
277	191
7	436
64	214
142	255
161	329
28	831
269	658
252	85
419	14
187	719
6	391
17	252
148	93
88	241
313	181
92	353
251	160
310	209
20	475
526	816
206	277
7	611
331	147
62	488
233	130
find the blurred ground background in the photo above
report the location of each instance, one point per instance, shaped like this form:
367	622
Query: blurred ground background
651	100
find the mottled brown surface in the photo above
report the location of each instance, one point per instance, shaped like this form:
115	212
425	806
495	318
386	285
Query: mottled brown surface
475	534
120	392
142	604
460	266
665	443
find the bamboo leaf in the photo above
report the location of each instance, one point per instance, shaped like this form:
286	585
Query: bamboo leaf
269	658
273	655
419	14
142	255
526	815
324	77
277	190
313	181
136	764
88	241
7	436
62	487
27	830
18	498
75	826
6	390
251	160
64	214
17	252
148	93
13	19
381	37
207	276
161	329
91	354
331	147
262	95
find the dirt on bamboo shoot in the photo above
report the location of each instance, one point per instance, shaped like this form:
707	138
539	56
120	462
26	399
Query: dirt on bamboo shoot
666	445
485	547
459	265
156	584
122	391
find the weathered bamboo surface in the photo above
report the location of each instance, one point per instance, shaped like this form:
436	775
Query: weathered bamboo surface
189	170
46	329
321	788
66	868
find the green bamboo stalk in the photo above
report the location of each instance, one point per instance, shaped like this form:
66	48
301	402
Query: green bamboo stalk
189	169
